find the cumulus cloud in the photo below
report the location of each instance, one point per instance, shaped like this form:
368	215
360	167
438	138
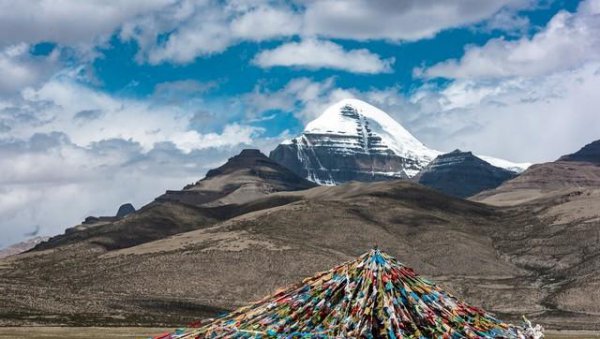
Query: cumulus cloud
18	68
508	21
532	119
68	22
87	115
50	181
185	30
568	41
304	97
266	22
178	31
394	20
65	140
313	54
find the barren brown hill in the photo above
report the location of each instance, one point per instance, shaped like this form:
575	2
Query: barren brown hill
245	177
565	196
544	181
571	175
505	259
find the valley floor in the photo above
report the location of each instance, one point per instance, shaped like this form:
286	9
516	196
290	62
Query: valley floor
79	332
144	332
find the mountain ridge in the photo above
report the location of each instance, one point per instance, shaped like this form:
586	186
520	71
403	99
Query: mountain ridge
462	174
353	140
243	178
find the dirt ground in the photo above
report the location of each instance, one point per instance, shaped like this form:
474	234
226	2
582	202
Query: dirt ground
144	332
79	332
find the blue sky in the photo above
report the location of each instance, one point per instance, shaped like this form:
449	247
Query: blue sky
232	71
115	102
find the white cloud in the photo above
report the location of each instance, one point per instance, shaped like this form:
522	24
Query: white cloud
206	33
59	103
265	22
534	119
396	20
302	96
18	68
109	151
179	31
526	120
51	182
68	22
185	30
507	21
568	41
313	54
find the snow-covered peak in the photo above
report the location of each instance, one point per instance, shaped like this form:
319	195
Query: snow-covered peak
353	140
356	118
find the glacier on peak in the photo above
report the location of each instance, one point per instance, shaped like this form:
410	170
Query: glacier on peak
353	117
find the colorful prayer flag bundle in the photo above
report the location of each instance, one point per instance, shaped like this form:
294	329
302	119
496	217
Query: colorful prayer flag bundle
374	296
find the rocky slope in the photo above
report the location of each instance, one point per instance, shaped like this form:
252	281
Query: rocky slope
570	175
461	174
353	140
243	178
589	153
565	197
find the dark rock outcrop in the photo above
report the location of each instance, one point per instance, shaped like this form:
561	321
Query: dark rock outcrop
462	174
125	209
325	165
589	153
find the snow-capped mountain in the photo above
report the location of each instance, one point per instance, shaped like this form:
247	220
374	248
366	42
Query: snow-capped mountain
353	140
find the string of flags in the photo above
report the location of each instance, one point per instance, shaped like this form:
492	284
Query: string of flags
374	296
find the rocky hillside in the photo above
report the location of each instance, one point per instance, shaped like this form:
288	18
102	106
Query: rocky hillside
245	177
462	174
570	175
589	153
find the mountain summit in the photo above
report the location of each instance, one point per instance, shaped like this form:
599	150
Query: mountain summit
244	177
353	140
